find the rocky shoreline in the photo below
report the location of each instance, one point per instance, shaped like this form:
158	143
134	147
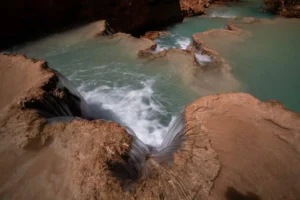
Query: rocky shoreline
230	146
230	139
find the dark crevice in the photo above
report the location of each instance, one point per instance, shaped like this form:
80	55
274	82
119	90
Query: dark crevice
233	194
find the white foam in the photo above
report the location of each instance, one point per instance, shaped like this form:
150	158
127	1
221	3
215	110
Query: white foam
160	48
203	59
183	42
136	108
221	15
178	41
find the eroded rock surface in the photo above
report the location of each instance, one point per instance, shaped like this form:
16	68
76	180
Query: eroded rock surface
51	161
257	144
236	146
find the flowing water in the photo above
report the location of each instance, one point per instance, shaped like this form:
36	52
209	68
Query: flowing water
146	95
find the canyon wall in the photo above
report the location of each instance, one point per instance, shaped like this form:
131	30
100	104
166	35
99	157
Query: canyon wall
23	20
286	8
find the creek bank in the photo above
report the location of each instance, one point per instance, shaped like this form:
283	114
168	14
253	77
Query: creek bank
231	138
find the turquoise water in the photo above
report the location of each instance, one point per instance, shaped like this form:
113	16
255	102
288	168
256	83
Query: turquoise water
147	95
247	8
180	34
268	64
216	17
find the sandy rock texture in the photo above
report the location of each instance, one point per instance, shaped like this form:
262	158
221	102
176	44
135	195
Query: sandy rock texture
35	18
51	161
257	144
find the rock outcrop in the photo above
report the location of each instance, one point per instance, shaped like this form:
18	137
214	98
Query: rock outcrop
193	7
235	147
286	8
35	18
45	160
152	35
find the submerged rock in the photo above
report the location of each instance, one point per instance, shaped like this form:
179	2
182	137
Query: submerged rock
227	146
137	44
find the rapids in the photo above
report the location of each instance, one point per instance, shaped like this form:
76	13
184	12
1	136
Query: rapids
147	95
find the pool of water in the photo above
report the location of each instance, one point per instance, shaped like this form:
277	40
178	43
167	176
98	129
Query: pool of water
147	95
268	63
246	8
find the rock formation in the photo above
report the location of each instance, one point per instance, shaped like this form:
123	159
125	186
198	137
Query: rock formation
45	160
152	35
24	20
286	8
193	7
236	147
257	145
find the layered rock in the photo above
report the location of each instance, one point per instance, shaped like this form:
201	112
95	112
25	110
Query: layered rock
35	17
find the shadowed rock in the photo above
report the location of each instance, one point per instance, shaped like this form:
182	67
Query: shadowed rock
36	18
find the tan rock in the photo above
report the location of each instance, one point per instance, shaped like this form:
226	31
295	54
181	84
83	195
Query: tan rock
152	35
237	147
51	161
257	144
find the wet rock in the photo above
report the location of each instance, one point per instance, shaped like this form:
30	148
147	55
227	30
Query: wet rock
138	44
152	35
64	160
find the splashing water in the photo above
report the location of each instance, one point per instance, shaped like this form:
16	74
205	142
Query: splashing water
135	108
172	41
203	59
